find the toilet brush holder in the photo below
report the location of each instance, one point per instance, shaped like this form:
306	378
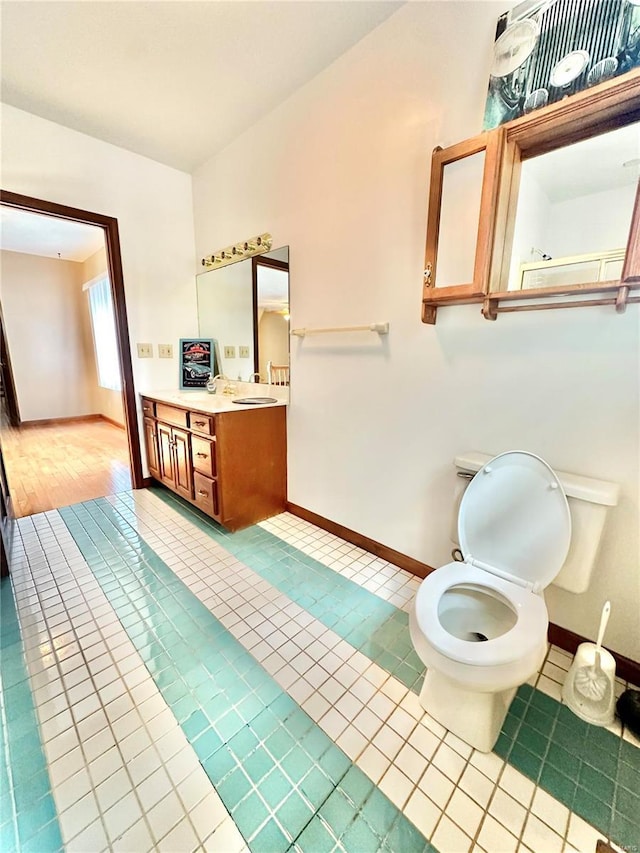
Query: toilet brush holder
596	667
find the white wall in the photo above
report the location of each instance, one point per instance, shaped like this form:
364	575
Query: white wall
594	222
591	223
340	173
530	229
273	340
153	205
42	308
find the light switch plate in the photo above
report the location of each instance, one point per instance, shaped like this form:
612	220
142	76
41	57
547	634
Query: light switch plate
229	352
145	350
243	352
165	350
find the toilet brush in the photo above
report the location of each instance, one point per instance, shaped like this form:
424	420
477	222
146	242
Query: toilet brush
591	681
588	688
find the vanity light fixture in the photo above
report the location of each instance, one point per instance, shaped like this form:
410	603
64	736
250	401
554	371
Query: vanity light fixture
254	246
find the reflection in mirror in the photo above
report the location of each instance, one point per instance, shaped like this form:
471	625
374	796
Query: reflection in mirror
574	211
271	276
459	218
244	307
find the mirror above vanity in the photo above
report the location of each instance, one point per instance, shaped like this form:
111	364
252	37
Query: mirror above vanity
244	308
541	212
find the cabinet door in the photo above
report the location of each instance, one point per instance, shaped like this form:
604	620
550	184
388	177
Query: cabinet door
183	471
461	221
165	456
151	443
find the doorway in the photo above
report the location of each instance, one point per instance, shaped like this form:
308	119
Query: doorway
87	441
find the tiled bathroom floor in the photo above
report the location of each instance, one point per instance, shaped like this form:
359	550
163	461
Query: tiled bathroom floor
174	687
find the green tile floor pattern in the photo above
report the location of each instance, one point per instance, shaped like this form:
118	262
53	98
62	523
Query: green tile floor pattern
280	776
368	623
590	770
28	819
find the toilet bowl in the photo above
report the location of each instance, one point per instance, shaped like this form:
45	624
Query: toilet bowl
480	625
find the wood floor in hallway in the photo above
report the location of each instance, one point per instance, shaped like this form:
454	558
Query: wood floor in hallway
53	465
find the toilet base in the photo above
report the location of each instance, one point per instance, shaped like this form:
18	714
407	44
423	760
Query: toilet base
474	717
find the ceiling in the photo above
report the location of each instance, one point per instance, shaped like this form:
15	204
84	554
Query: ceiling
175	81
590	166
273	289
47	236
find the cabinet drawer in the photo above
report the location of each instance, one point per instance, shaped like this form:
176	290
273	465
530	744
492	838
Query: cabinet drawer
171	415
206	493
203	455
202	423
148	408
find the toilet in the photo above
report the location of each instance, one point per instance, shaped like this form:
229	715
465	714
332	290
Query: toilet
480	624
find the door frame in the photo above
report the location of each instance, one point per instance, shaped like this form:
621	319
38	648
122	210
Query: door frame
261	261
12	410
114	263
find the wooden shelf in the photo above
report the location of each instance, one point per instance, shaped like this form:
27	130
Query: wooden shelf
610	105
613	293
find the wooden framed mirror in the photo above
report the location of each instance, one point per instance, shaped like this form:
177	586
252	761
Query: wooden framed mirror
566	224
460	221
580	158
244	308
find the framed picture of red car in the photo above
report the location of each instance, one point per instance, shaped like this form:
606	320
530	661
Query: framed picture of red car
197	362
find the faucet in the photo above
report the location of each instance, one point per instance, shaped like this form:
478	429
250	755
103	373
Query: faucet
212	383
251	379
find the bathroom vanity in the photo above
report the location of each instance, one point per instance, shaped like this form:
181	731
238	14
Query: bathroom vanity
228	459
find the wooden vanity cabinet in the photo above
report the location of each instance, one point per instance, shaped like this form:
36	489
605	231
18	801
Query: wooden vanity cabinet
231	465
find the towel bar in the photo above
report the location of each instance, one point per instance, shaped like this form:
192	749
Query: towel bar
380	328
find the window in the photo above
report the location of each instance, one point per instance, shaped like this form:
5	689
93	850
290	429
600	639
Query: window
104	333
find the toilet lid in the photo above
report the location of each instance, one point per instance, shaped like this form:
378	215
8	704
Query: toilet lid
514	518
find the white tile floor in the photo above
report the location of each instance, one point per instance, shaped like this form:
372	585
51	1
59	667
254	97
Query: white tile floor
124	775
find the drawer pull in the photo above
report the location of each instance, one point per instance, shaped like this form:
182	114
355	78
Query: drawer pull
200	423
203	493
202	455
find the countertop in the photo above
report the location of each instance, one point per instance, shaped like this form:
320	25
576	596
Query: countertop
203	401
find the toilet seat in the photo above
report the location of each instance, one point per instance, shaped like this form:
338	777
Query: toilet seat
527	633
514	520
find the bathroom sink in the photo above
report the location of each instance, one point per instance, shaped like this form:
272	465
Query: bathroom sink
195	397
254	401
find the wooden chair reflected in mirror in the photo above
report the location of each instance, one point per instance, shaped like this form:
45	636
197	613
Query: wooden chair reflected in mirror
277	374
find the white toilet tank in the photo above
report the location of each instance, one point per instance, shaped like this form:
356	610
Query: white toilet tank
589	501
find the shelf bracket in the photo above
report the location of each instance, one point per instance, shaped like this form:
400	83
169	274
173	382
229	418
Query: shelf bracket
621	299
490	308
